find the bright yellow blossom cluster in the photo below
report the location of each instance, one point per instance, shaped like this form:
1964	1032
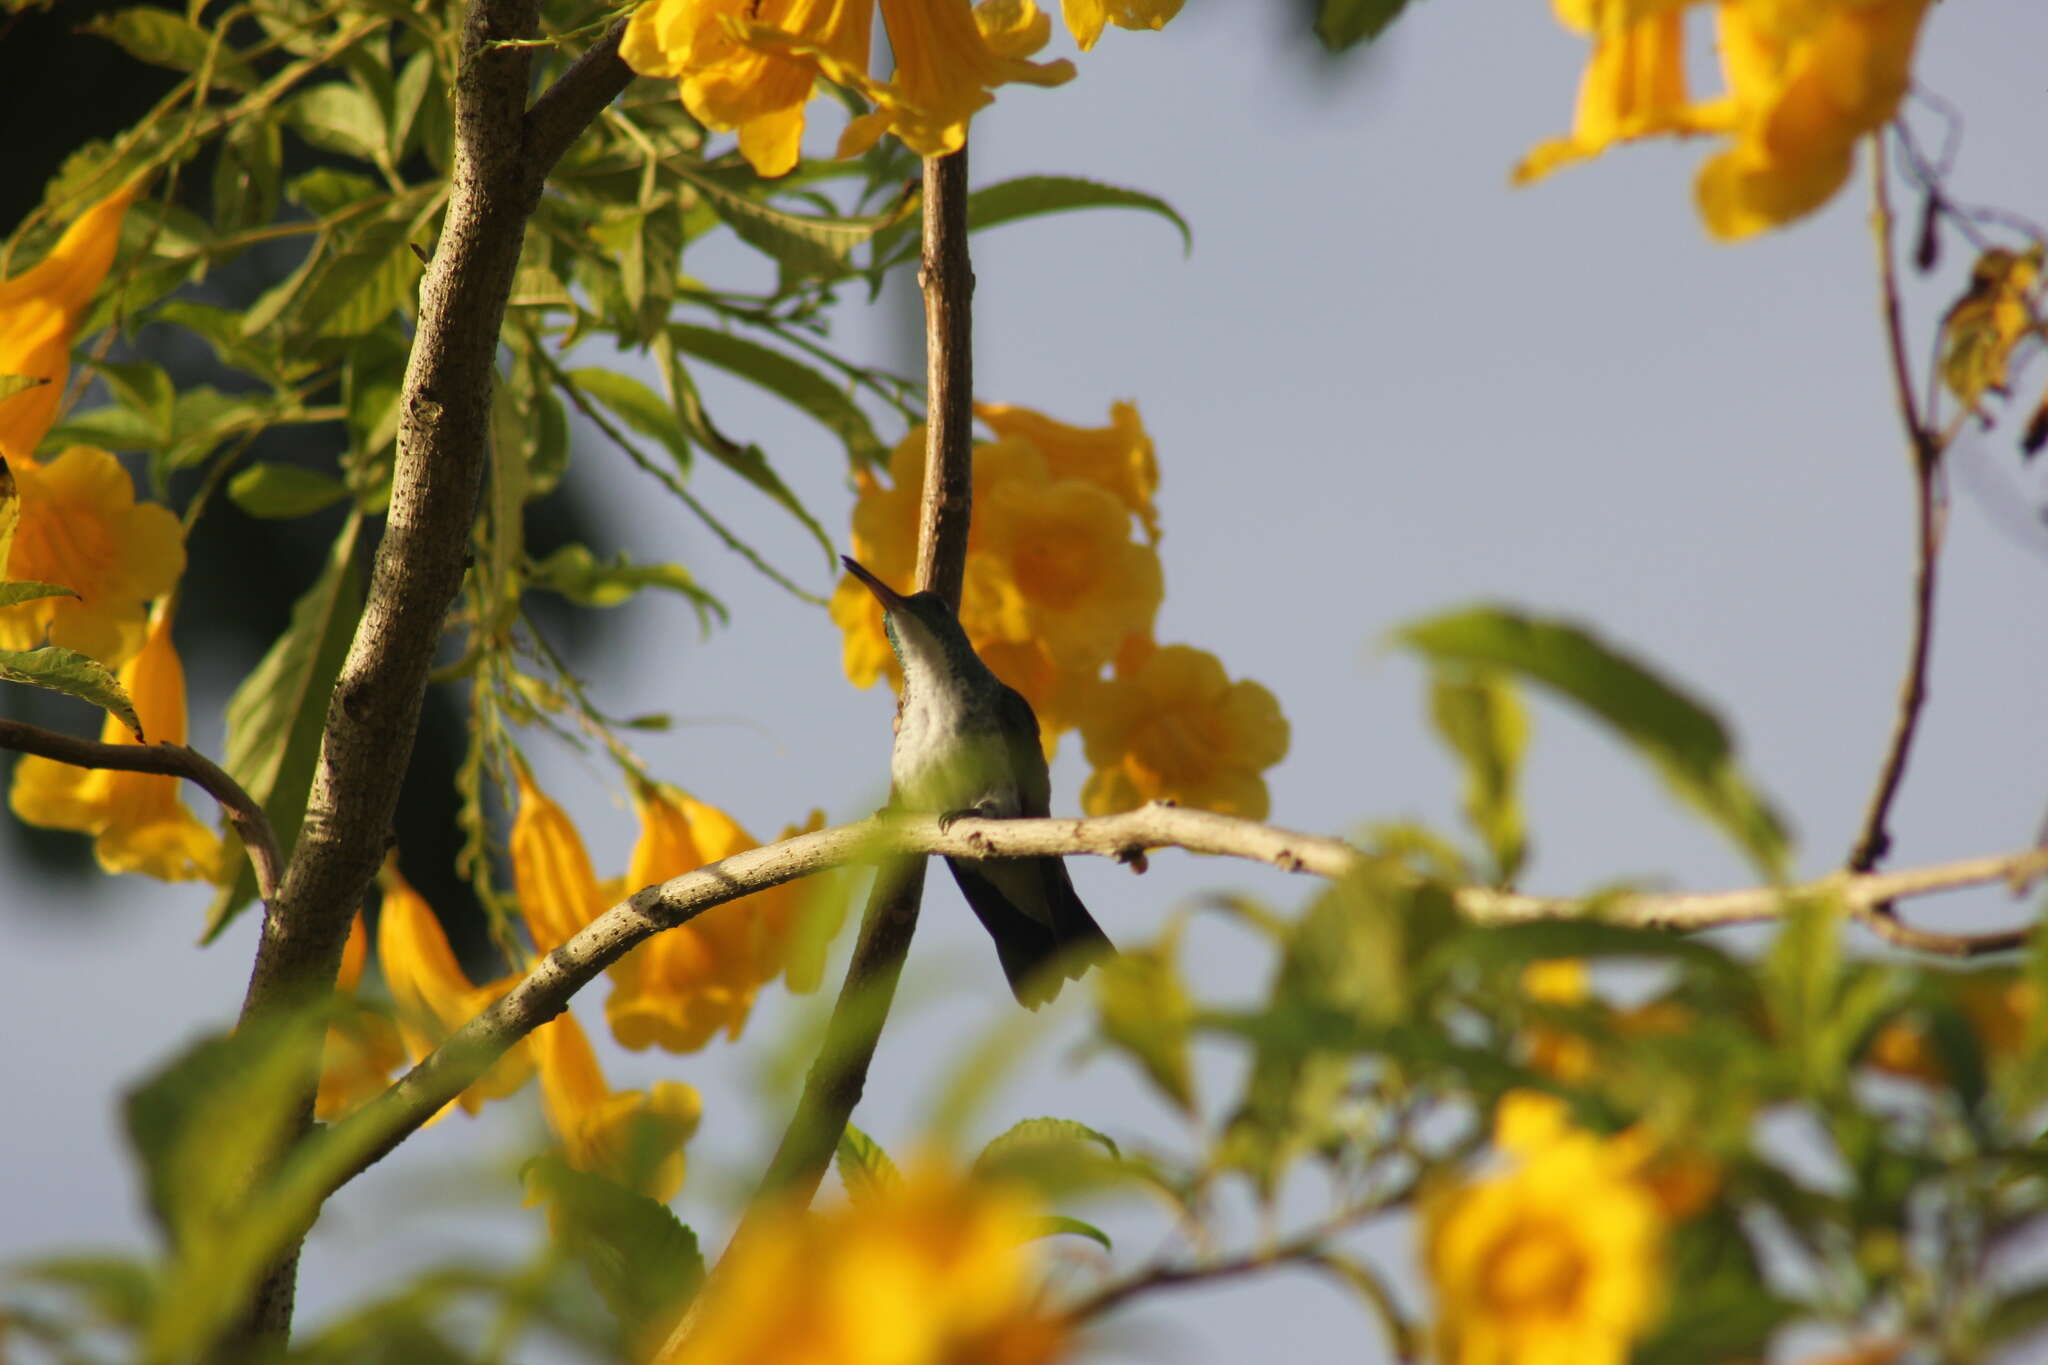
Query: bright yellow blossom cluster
749	65
1804	80
1059	588
932	1269
1556	1260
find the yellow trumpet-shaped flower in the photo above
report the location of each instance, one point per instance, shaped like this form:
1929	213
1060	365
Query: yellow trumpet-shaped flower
1173	725
363	1047
1558	1260
679	988
139	821
948	61
934	1270
82	529
551	874
39	313
431	993
632	1137
1085	18
1118	457
1633	87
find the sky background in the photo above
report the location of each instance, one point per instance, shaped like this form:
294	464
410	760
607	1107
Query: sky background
1383	384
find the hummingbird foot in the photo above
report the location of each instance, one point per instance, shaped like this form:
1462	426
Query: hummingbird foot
982	810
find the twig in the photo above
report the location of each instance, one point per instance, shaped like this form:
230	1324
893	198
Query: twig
165	760
836	1079
567	107
1874	839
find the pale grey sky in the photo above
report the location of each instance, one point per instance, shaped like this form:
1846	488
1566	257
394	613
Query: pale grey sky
1384	384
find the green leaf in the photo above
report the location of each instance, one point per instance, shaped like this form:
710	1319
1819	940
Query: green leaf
780	374
1145	1012
113	428
864	1168
577	574
747	461
327	191
1340	23
118	1290
1681	738
144	389
1032	196
1051	1155
14	594
335	116
643	1261
1055	1224
1483	721
1029	1133
164	37
638	406
806	247
73	674
11	384
275	718
284	490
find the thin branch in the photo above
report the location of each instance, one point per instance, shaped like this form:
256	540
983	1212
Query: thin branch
581	93
165	760
1874	838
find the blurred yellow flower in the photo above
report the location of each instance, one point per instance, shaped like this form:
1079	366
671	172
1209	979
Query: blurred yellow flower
430	992
679	988
558	893
933	1270
729	81
1982	327
2000	1008
39	313
632	1137
1803	83
1172	725
1558	1260
1085	18
948	60
1119	457
139	821
363	1047
82	529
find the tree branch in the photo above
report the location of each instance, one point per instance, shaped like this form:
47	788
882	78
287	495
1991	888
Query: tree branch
165	760
579	95
888	838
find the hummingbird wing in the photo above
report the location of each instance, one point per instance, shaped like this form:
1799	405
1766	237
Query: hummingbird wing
1027	755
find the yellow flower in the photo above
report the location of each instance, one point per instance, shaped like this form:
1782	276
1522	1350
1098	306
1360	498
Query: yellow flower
1560	1053
948	59
1085	18
1118	457
39	313
1988	321
682	986
731	80
632	1137
1999	1006
551	875
933	1270
1559	1260
139	821
1804	81
363	1046
82	529
1174	726
430	992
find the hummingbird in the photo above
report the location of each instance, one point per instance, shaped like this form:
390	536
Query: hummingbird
967	745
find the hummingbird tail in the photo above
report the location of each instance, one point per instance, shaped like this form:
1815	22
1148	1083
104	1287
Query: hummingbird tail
1037	954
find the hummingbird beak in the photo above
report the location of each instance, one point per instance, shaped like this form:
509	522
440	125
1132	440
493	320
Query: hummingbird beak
890	599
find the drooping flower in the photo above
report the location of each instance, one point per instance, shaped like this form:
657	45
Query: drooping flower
431	993
139	821
1557	1260
1172	725
1804	82
1982	328
1085	18
679	988
558	892
82	529
931	1270
632	1137
363	1046
39	313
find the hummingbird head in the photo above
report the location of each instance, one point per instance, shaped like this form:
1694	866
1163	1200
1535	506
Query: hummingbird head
922	628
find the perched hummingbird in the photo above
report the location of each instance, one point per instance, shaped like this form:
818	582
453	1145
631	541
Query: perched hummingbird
967	745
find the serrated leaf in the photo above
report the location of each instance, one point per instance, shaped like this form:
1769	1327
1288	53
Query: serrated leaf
864	1168
789	378
806	247
1054	1225
643	1261
1341	23
275	718
327	191
1484	722
164	37
25	590
1044	1132
284	490
73	674
1682	739
336	116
